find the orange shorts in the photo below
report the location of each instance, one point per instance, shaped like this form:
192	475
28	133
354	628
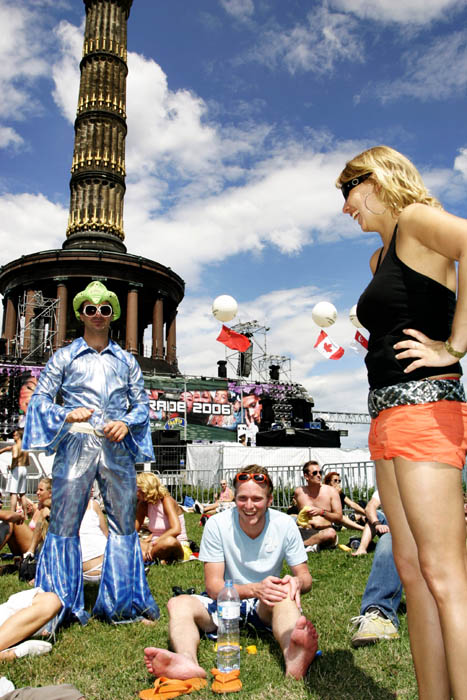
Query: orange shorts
430	432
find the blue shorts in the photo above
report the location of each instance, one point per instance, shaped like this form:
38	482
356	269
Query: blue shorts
248	613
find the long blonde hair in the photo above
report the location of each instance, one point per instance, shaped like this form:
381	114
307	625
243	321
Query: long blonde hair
151	486
401	183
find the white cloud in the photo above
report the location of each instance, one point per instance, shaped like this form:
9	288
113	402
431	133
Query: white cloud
328	37
29	223
437	72
9	137
409	11
65	71
240	9
460	162
22	59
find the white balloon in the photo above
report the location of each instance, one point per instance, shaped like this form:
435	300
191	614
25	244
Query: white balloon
354	318
224	308
324	314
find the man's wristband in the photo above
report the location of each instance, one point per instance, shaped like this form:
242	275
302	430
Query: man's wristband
323	511
455	353
376	522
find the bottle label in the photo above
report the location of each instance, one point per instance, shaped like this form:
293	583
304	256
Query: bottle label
229	610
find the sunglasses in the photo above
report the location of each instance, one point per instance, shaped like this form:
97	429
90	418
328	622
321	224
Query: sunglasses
259	478
315	473
346	187
104	310
338	481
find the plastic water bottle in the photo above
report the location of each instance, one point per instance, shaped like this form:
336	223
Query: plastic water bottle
228	632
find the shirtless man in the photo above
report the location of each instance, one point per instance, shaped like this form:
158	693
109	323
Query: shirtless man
17	477
320	505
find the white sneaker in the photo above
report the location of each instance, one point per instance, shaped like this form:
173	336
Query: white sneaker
199	508
31	647
312	548
372	626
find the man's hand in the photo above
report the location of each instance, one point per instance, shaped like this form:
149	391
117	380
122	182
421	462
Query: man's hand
115	430
380	529
314	511
79	415
293	583
272	590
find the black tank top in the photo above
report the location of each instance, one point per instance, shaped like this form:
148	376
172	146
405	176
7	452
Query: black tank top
397	298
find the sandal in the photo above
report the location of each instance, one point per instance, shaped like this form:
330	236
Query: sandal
165	688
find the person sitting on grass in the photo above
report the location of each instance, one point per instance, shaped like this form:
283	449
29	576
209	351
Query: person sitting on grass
15	532
168	540
220	499
247	544
376	525
334	479
22	616
319	508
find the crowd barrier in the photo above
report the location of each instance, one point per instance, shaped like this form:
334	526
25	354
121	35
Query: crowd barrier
357	479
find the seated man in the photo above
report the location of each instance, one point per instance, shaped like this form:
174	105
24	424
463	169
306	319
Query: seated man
222	500
248	545
319	507
378	612
376	525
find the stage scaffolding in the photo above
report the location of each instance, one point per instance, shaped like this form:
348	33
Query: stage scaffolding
36	326
261	361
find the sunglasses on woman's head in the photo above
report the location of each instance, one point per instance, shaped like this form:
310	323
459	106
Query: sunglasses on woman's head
104	310
346	187
259	478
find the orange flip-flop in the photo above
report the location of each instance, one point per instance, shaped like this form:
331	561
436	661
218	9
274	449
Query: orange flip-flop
226	682
166	688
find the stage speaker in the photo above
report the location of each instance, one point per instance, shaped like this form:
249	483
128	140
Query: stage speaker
245	361
222	369
274	372
166	437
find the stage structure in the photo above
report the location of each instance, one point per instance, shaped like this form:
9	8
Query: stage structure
94	248
255	363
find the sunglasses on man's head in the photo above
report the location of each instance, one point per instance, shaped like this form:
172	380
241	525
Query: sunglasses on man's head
346	187
259	478
92	309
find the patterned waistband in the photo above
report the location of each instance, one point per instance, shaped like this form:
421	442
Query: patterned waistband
414	392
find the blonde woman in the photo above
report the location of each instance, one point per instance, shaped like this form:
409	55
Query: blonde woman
166	521
21	538
418	431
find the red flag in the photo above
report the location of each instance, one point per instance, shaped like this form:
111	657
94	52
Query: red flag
359	343
327	347
233	340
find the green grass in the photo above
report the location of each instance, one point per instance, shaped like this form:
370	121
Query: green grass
105	662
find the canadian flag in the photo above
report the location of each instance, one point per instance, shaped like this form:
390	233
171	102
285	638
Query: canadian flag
327	347
359	343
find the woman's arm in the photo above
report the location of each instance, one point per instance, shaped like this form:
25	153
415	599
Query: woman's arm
443	233
170	509
351	504
141	513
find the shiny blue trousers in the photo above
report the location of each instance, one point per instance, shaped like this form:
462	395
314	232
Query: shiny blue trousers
123	592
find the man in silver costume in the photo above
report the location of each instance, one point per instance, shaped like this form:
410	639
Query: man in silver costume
99	431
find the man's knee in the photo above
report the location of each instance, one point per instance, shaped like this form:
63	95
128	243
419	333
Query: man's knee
328	537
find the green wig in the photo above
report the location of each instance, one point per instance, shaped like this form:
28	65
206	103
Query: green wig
96	293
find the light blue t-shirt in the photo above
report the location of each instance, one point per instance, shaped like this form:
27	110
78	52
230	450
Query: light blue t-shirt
250	560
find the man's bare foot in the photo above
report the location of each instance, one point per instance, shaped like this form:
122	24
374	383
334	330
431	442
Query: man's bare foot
161	662
302	648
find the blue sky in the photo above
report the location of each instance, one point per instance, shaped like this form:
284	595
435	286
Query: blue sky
241	114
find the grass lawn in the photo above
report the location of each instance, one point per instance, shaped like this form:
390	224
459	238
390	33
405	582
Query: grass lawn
105	661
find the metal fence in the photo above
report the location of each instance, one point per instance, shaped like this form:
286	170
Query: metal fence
357	479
